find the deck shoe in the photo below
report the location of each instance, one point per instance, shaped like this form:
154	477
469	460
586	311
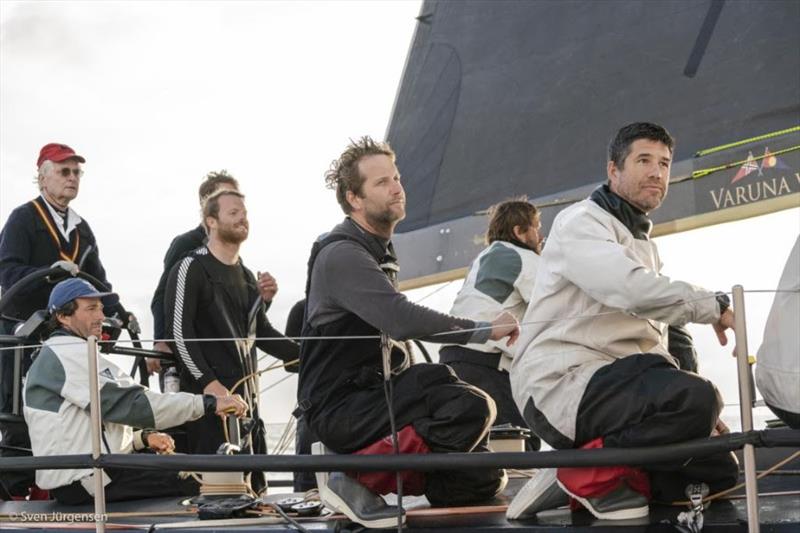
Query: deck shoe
349	497
540	493
621	503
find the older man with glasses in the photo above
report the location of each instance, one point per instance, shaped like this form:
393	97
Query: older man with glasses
41	233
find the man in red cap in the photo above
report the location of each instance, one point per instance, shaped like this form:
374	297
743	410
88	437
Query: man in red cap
41	233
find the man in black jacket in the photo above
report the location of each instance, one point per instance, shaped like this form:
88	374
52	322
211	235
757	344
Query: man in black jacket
211	295
41	233
178	249
351	295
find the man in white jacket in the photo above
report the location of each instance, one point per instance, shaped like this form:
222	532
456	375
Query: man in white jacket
500	279
593	367
57	407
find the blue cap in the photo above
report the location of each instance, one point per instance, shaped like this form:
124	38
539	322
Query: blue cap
72	288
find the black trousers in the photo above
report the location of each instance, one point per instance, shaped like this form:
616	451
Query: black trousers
449	415
789	418
304	438
642	400
130	485
496	384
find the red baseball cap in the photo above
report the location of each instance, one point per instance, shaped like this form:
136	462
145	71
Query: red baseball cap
57	153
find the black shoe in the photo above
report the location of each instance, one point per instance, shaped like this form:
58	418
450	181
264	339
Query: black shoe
540	493
358	503
622	503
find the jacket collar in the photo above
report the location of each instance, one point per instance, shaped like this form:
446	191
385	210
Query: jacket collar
631	217
520	244
382	249
64	332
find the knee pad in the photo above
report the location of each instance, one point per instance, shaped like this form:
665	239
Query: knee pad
408	441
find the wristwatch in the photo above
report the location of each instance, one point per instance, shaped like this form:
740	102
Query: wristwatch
723	301
209	403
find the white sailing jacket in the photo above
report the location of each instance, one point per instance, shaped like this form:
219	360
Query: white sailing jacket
778	363
57	408
500	279
598	297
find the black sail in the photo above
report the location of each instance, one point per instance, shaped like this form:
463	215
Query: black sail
504	98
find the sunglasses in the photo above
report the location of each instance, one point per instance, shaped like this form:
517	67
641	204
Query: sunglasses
65	172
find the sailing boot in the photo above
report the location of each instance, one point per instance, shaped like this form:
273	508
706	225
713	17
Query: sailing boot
358	503
609	492
540	493
345	495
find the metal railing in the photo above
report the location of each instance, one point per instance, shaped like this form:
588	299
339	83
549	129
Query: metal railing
748	439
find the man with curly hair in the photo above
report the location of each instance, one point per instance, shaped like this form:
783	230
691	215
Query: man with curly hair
350	294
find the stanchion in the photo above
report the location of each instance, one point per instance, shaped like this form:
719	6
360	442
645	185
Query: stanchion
745	408
94	412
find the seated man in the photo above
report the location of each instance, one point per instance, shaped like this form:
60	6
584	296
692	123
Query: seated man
593	367
500	279
57	407
350	293
778	362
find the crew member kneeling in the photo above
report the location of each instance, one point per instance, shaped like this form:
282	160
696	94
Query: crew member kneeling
350	295
593	368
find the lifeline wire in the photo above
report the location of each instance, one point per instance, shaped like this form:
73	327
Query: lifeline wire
377	337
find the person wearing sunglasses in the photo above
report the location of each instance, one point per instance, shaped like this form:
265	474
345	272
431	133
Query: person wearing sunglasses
38	234
47	231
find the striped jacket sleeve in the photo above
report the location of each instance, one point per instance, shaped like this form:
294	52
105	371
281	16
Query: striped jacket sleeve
180	308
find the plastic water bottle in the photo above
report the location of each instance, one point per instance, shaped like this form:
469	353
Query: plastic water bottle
172	382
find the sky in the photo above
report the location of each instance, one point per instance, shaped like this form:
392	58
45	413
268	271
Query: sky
156	94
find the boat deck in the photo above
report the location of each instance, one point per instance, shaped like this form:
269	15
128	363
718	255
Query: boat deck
779	511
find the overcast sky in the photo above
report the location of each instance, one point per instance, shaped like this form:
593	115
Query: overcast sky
156	94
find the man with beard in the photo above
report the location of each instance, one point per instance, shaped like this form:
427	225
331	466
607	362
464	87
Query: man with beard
593	368
210	294
179	248
500	279
350	294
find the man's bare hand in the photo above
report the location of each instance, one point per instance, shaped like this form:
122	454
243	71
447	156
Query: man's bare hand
217	389
231	405
162	346
154	364
505	325
267	286
720	428
725	322
160	442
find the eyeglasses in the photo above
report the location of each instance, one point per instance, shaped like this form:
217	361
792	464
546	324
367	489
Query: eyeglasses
65	172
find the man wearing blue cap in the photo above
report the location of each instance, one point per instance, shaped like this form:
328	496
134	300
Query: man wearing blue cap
57	406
